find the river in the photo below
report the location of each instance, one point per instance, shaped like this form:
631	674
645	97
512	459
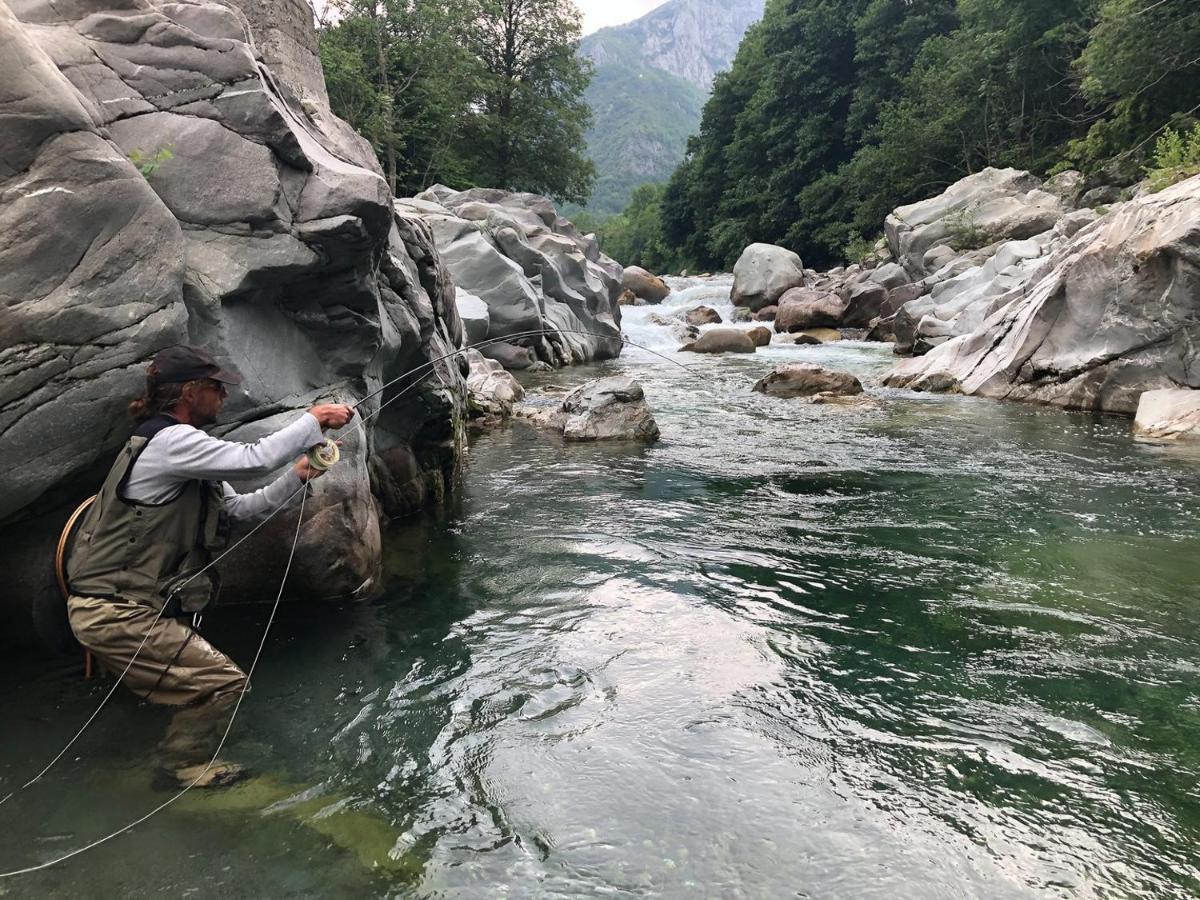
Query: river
931	647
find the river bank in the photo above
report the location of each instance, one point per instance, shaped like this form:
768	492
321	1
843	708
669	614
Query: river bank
935	645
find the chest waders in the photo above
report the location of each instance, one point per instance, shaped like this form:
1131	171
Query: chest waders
151	553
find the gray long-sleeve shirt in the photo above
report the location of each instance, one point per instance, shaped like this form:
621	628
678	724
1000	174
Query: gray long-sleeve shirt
182	453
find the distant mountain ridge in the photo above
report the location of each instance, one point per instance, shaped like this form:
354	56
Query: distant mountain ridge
691	39
653	76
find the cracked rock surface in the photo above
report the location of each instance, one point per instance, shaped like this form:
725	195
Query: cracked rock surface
159	184
544	285
1112	313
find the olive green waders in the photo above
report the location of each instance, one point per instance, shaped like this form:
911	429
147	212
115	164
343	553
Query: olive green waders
175	667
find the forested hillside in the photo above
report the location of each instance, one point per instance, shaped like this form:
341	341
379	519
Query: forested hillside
836	111
652	78
464	92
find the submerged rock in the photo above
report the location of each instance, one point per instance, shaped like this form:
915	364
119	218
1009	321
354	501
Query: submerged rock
608	409
806	380
1168	415
721	340
763	274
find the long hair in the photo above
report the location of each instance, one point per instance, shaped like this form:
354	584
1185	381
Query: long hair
158	398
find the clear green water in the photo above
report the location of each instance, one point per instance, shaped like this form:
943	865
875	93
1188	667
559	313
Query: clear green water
933	648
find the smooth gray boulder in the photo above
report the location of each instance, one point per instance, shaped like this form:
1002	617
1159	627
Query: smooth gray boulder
1113	313
803	308
763	274
806	380
546	286
990	206
721	340
267	233
644	285
1168	415
608	409
476	320
491	391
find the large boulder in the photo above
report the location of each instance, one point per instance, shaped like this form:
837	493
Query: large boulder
1113	313
763	274
865	302
702	315
159	184
1168	415
806	380
760	335
645	285
473	312
803	308
546	286
990	206
607	409
721	340
491	391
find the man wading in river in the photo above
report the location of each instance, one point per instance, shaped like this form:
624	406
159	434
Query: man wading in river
162	512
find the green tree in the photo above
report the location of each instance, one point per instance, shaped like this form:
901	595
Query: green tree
528	133
396	70
635	237
1141	71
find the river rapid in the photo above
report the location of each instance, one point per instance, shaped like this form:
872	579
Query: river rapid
931	647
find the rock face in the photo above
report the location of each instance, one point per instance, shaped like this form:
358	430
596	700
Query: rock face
644	285
1168	415
1112	313
608	409
491	391
763	274
266	232
805	380
546	286
721	340
989	206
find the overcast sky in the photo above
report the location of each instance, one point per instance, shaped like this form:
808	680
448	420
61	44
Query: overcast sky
600	13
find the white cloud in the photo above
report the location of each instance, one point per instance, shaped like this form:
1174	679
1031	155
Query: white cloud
602	13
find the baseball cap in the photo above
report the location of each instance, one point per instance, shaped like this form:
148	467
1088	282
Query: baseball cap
183	363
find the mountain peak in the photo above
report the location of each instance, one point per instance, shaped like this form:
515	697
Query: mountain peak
691	39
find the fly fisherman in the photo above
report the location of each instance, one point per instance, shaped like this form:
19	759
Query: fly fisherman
162	513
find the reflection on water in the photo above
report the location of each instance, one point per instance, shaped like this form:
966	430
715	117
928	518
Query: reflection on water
933	647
